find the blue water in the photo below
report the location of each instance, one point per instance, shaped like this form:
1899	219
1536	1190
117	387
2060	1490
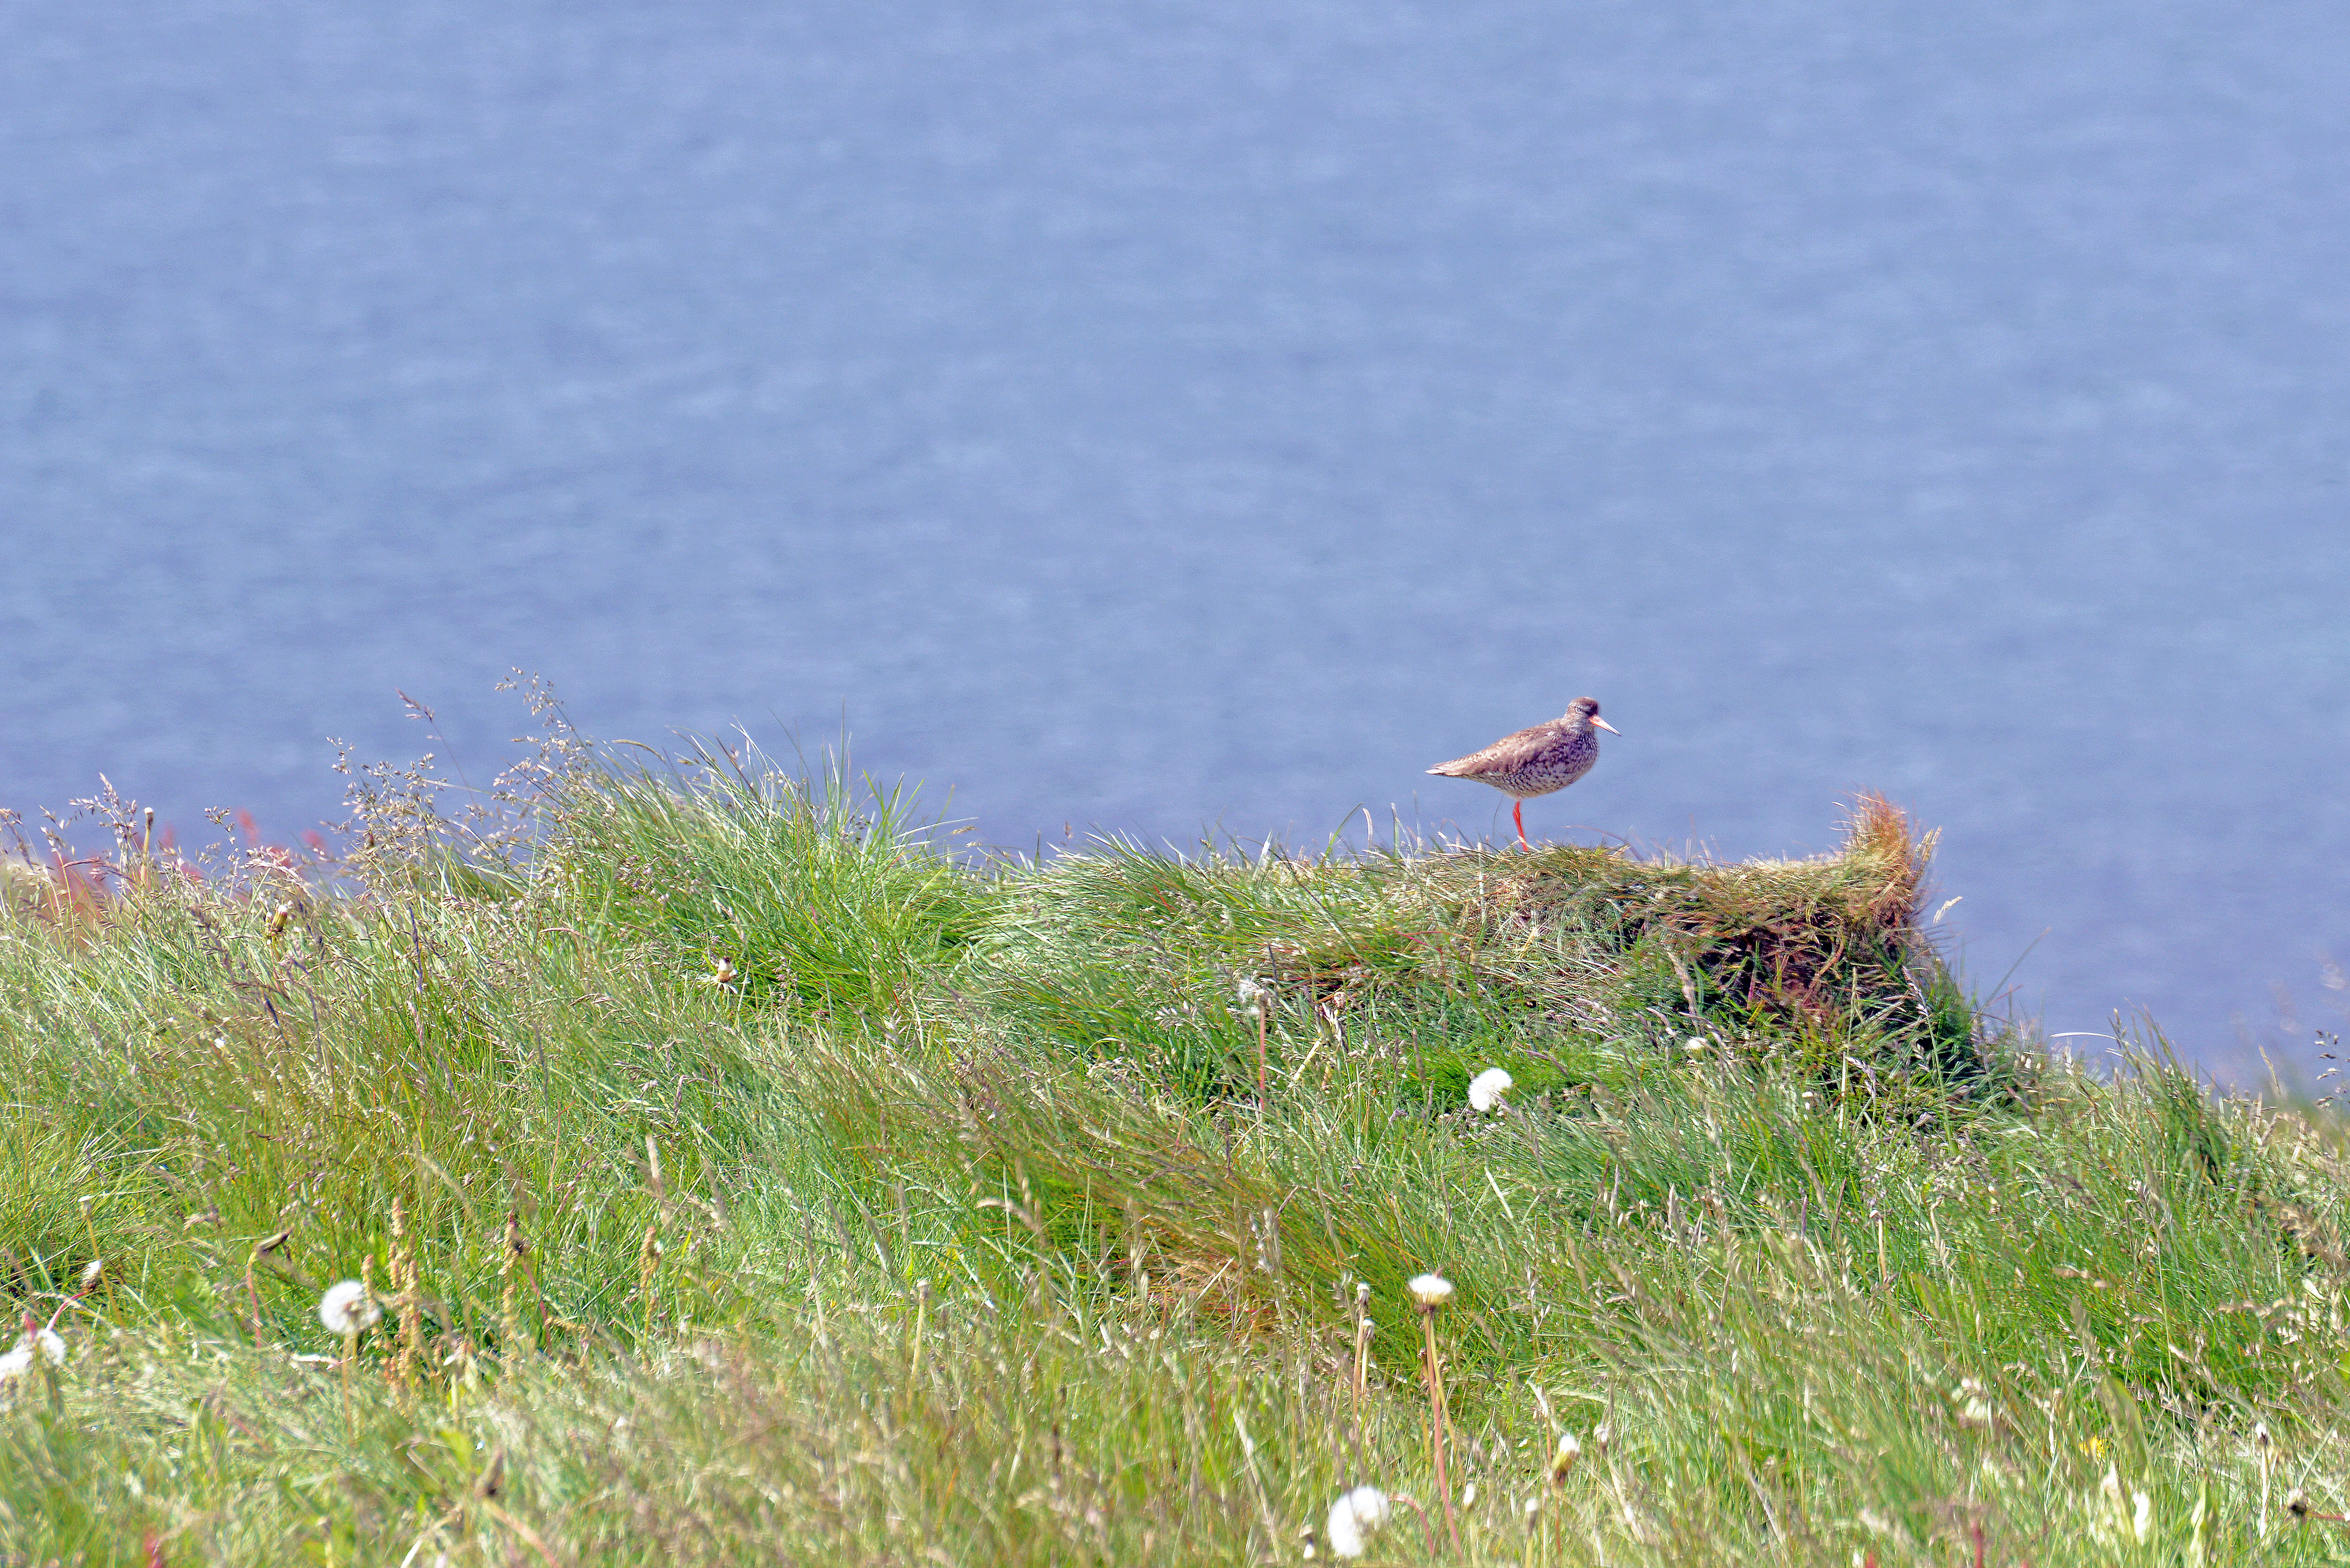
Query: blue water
1152	416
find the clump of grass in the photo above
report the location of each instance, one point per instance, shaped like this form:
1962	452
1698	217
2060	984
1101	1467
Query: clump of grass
753	1177
777	888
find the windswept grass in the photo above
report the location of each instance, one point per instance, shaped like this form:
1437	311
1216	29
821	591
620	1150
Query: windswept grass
780	1184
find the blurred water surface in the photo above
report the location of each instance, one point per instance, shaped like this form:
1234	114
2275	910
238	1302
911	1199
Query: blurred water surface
1152	416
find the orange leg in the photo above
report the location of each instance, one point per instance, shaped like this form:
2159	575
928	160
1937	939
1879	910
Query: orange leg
1518	815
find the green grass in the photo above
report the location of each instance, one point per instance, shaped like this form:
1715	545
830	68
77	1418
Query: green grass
774	1182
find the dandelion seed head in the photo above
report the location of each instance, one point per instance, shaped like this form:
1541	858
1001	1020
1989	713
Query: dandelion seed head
347	1307
1354	1516
1430	1291
15	1363
1486	1089
2141	1516
91	1274
1570	1448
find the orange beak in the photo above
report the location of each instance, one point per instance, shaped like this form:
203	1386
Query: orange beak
1604	725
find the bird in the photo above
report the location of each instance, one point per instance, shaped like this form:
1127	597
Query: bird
1537	761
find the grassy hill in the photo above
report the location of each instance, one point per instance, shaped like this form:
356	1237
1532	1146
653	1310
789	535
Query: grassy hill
743	1174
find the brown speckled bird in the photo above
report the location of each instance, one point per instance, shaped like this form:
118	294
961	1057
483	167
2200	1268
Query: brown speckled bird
1537	761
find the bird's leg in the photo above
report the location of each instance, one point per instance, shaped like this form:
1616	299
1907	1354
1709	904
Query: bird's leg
1518	815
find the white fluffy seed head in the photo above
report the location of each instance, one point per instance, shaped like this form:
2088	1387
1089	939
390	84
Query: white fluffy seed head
1570	1448
1430	1291
1354	1516
37	1343
1486	1089
347	1308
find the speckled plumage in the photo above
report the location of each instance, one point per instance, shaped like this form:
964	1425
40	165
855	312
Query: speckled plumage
1538	761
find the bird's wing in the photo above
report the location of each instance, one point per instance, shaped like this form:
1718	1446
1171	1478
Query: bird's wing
1507	754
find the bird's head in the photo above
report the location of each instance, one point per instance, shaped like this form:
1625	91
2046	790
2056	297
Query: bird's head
1588	709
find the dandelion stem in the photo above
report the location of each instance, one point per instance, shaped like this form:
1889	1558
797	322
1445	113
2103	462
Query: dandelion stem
1436	1424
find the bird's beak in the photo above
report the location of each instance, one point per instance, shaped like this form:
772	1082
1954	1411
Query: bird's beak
1607	726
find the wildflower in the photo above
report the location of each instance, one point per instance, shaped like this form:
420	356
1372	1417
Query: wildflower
1430	1291
1562	1463
347	1307
1486	1089
1354	1516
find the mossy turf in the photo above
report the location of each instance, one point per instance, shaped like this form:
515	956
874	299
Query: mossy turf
747	1175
